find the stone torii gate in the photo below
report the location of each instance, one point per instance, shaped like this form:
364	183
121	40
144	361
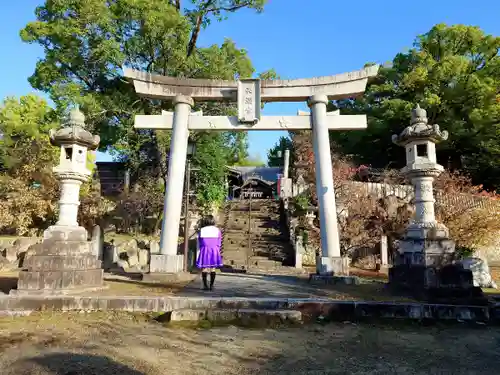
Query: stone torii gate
249	94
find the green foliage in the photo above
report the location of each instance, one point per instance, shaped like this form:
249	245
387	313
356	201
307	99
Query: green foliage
464	252
238	144
454	73
273	160
28	188
24	125
270	74
254	161
210	160
87	43
301	203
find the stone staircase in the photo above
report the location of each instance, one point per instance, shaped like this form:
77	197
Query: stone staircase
252	239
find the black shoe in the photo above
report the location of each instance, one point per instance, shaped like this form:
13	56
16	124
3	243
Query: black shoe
212	280
204	276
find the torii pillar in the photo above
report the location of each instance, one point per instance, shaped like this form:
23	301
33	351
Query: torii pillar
331	261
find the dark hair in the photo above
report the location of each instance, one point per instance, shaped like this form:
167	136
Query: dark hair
207	221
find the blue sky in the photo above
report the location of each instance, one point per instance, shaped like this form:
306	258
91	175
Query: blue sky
298	40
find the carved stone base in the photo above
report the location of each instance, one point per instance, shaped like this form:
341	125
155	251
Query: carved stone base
166	263
429	252
451	284
426	268
338	266
59	282
61	264
434	231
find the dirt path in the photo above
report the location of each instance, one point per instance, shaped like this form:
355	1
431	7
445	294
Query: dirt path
77	344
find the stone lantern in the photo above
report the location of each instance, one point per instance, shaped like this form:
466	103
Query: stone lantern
74	142
419	139
64	261
425	250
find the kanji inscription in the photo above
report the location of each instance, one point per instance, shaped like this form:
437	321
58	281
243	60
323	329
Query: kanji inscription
249	101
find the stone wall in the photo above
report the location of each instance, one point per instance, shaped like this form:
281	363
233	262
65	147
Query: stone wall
121	253
490	253
366	257
305	254
13	251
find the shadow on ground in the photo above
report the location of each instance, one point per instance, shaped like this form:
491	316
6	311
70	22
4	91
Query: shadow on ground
72	364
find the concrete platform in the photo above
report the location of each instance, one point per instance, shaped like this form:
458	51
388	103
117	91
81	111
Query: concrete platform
331	279
222	315
309	307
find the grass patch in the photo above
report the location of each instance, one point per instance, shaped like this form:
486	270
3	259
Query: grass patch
115	286
9	237
368	290
207	324
246	322
140	288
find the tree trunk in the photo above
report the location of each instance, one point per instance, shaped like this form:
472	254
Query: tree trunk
194	35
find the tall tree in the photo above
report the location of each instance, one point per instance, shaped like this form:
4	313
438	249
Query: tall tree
28	189
273	157
454	73
86	43
25	149
203	11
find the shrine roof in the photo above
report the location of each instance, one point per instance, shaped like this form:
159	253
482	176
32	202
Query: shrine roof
267	174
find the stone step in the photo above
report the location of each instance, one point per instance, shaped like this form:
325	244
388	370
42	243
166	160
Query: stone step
255	232
280	270
235	258
239	246
255	248
260	226
253	317
254	215
277	256
237	222
264	264
254	252
269	240
236	231
243	228
243	256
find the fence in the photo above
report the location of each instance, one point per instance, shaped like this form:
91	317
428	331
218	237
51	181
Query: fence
406	192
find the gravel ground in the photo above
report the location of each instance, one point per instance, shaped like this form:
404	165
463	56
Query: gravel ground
105	344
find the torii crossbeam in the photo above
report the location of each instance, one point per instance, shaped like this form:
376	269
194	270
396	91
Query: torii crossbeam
335	121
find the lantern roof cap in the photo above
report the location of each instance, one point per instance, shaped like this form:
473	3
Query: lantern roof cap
420	129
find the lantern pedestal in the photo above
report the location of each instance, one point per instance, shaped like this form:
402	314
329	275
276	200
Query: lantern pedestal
63	263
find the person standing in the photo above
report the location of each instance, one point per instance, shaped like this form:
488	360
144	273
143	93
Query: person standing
209	257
